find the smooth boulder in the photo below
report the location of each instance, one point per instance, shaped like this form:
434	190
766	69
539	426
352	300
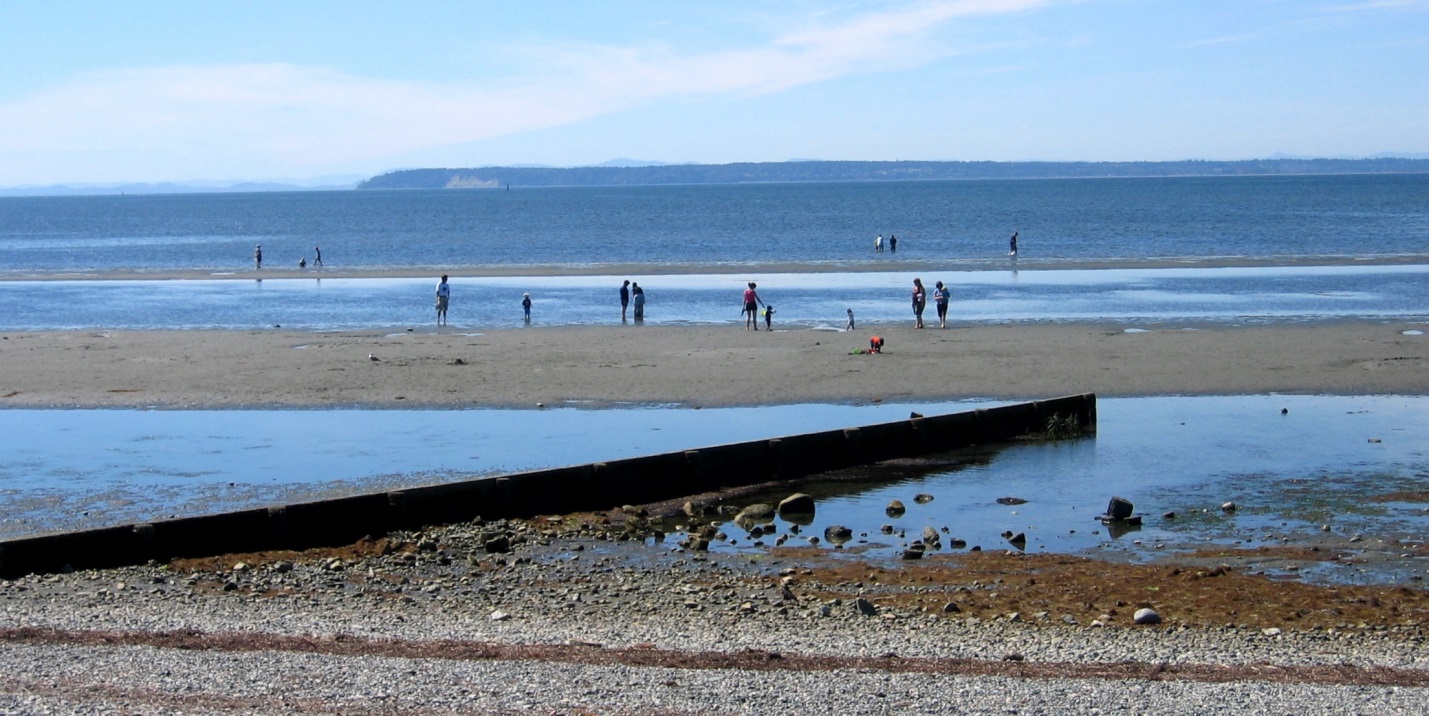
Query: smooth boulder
1119	508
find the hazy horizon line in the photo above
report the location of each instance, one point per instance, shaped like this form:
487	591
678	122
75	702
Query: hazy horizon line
350	181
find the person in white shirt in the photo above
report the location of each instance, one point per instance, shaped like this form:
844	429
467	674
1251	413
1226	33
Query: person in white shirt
444	297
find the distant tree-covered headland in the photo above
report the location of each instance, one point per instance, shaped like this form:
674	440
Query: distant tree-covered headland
819	171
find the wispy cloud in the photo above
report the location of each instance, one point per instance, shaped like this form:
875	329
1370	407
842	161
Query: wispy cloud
284	119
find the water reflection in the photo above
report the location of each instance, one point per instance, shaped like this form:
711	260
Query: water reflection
1326	468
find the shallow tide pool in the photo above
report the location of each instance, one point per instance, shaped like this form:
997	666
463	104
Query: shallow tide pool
1352	465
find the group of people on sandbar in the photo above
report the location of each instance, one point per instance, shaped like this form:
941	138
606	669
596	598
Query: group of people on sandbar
754	306
444	298
941	295
892	244
631	295
302	262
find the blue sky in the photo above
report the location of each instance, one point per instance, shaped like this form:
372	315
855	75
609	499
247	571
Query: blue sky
95	92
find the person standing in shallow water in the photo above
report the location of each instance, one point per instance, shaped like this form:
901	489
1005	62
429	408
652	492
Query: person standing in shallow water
940	299
526	306
920	300
751	308
637	295
892	244
317	256
624	299
444	297
1012	245
258	257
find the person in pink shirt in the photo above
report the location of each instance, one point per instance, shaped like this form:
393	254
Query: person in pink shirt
751	308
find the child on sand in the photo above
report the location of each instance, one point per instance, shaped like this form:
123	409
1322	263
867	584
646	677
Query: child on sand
768	316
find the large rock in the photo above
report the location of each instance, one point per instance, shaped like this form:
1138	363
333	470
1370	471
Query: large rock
757	514
931	537
895	508
1119	508
796	504
1146	615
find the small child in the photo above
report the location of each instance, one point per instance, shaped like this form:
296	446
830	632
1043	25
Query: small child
875	345
526	305
849	327
768	316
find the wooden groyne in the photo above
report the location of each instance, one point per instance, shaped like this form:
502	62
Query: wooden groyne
594	486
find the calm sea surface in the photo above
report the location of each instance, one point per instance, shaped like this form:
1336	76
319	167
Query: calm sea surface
965	221
955	232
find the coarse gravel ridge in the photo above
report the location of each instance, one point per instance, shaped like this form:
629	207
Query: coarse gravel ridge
603	595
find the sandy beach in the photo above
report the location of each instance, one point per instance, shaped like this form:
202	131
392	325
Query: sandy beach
699	366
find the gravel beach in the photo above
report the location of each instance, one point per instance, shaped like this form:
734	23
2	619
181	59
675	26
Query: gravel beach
576	620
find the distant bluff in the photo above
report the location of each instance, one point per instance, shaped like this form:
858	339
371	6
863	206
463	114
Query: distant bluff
820	171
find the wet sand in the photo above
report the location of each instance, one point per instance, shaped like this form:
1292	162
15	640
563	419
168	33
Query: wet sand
698	366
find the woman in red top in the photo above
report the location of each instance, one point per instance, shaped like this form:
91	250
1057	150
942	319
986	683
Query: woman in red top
751	308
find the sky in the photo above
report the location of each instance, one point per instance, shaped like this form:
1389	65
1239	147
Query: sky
95	92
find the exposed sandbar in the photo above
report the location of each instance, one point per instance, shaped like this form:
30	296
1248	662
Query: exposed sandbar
698	366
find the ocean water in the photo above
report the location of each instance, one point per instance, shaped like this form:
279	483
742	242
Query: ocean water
1293	249
963	223
1135	297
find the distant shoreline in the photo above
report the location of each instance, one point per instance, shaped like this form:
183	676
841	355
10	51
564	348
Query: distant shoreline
753	269
498	178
